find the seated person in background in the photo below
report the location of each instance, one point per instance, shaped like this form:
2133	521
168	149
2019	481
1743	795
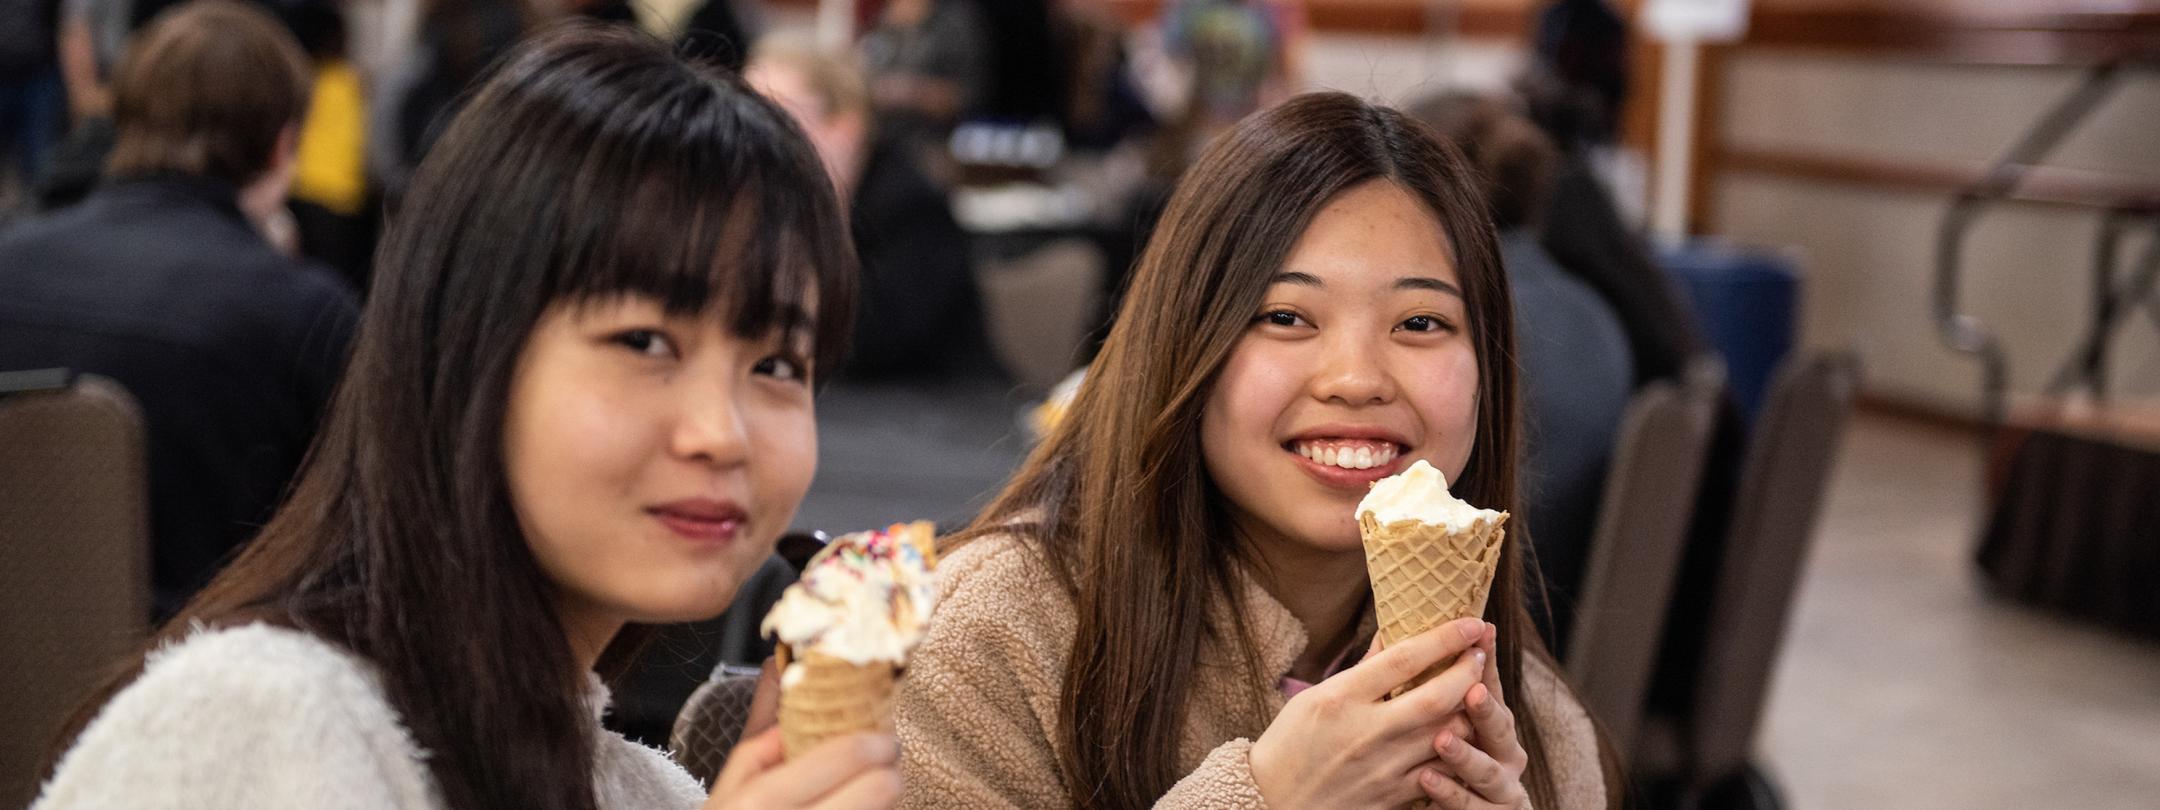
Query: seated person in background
1573	89
331	197
926	63
719	32
1577	371
456	41
918	313
161	281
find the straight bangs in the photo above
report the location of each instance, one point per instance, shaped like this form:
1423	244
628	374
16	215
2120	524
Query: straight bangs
701	196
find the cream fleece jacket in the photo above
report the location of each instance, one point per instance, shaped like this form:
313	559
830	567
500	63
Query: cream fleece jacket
976	713
260	717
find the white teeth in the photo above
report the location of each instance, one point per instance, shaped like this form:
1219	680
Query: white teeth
1358	457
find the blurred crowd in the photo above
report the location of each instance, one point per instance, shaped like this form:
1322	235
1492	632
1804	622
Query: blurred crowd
995	156
195	212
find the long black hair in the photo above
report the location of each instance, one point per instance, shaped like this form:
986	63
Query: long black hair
592	163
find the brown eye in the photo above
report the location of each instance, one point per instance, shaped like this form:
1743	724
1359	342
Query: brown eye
1425	323
1280	317
785	368
646	342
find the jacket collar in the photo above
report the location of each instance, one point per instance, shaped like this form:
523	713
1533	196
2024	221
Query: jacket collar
217	195
1281	638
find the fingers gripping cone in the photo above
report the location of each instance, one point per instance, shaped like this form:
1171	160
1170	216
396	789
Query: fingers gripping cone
1428	574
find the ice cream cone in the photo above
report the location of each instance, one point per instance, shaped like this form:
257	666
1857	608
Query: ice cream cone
831	697
1425	575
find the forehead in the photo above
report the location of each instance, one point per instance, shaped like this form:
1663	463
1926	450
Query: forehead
1370	236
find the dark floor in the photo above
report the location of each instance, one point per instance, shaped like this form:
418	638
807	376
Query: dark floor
902	451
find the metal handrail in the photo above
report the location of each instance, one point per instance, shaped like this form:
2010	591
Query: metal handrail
1965	332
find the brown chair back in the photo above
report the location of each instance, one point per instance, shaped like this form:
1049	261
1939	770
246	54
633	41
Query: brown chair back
74	555
711	722
1642	529
1774	514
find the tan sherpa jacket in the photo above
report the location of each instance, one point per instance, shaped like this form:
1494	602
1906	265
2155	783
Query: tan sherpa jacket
977	711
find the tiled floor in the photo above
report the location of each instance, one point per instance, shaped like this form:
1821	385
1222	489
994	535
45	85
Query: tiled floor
1903	685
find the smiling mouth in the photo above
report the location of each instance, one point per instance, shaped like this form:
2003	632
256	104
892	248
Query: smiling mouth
1347	454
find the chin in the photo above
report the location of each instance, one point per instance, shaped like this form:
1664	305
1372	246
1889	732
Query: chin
688	607
1342	537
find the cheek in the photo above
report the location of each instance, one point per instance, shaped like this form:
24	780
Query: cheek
574	444
783	435
584	437
1446	400
1237	426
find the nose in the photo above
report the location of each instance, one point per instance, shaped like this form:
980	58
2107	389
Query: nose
1351	372
709	428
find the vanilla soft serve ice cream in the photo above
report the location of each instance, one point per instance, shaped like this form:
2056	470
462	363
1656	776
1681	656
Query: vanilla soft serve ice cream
1420	494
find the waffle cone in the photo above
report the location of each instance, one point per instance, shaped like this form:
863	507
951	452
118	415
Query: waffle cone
833	698
1425	575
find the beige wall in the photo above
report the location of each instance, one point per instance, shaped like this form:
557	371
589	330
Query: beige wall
1868	254
1398	69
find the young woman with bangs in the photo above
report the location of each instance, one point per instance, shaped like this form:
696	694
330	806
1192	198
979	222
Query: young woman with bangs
579	403
1168	606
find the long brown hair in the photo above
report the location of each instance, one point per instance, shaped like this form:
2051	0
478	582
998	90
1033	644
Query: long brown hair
593	164
1118	494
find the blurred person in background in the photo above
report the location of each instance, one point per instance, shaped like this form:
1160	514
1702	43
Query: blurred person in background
607	11
919	310
92	35
580	404
1576	370
32	104
1574	90
457	40
720	32
1026	81
162	281
1241	56
1103	107
332	198
928	65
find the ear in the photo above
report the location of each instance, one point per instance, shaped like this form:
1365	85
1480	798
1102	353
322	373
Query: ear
287	149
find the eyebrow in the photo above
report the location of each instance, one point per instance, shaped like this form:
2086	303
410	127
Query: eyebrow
1405	283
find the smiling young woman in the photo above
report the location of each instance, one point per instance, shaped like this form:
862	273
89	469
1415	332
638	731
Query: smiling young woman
1168	606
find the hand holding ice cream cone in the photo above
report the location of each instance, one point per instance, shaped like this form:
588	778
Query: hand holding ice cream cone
1431	556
